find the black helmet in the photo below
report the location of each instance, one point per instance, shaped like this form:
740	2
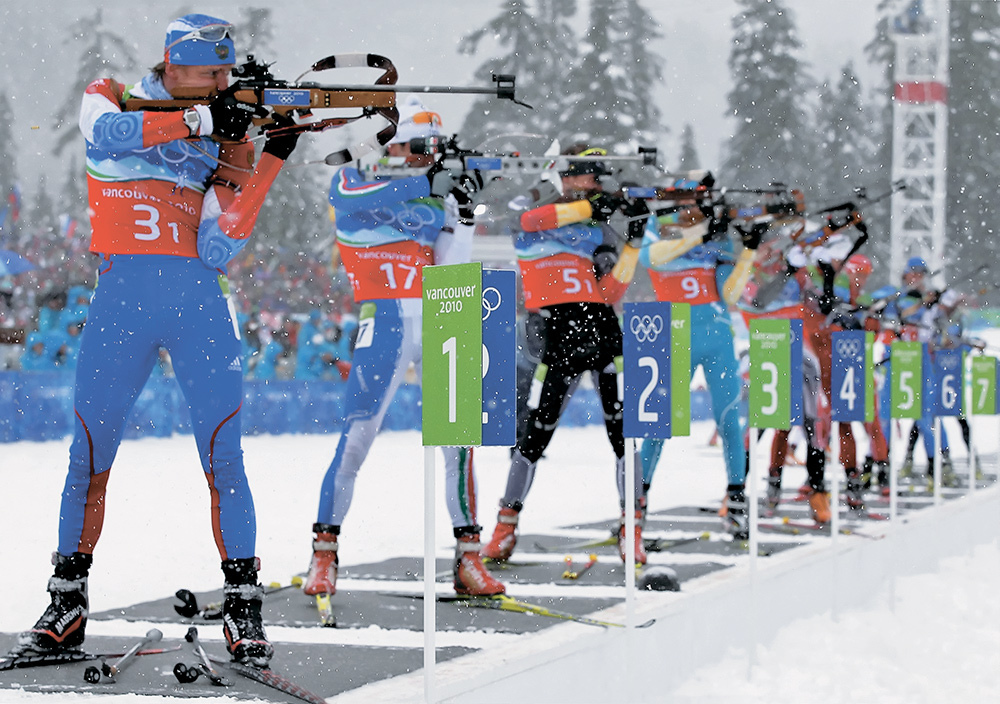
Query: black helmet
579	168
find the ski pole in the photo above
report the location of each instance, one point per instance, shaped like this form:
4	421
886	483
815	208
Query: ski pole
93	675
206	663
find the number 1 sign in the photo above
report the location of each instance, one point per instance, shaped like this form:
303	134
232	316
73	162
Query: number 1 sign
452	383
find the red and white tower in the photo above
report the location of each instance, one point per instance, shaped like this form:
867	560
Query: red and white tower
920	134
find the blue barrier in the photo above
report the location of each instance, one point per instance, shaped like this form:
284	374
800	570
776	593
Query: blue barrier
39	406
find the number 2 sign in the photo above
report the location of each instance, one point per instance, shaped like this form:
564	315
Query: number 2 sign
657	369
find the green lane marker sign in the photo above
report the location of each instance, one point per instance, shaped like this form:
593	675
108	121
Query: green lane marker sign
452	379
680	369
907	380
770	373
984	385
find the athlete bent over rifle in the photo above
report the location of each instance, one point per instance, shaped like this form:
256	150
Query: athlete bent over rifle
572	273
387	231
173	196
699	268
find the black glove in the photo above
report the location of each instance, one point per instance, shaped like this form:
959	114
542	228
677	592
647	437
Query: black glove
827	299
466	187
441	180
603	206
281	145
752	237
717	225
231	117
637	213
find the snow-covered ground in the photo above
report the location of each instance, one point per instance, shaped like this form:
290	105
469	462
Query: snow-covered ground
938	640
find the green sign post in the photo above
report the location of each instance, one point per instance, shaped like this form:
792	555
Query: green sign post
984	385
770	373
907	380
452	379
680	369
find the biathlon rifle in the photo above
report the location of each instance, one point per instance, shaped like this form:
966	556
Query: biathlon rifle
256	85
696	192
449	155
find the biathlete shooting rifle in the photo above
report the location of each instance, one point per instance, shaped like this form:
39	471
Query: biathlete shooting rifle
286	106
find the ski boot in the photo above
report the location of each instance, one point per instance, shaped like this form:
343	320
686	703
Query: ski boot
948	476
854	491
636	543
242	624
501	545
866	473
883	477
322	577
819	504
471	577
64	622
773	496
737	521
906	471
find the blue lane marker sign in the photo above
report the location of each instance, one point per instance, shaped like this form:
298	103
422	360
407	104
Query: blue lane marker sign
499	357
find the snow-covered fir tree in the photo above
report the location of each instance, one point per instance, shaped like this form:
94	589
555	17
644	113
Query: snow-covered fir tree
610	102
881	52
105	54
973	212
688	158
843	161
538	45
768	101
8	147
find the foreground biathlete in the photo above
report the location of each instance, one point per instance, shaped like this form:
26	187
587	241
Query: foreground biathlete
571	272
696	264
172	196
387	231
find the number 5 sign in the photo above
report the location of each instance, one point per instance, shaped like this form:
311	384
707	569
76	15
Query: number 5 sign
906	379
657	369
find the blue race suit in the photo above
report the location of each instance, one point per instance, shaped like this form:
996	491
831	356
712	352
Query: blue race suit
387	231
151	193
696	277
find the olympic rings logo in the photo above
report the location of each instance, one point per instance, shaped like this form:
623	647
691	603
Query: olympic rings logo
491	301
646	328
948	362
408	220
850	347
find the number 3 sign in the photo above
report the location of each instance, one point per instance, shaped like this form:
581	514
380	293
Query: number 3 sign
775	373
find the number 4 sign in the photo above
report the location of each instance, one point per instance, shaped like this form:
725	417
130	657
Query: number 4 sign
852	376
